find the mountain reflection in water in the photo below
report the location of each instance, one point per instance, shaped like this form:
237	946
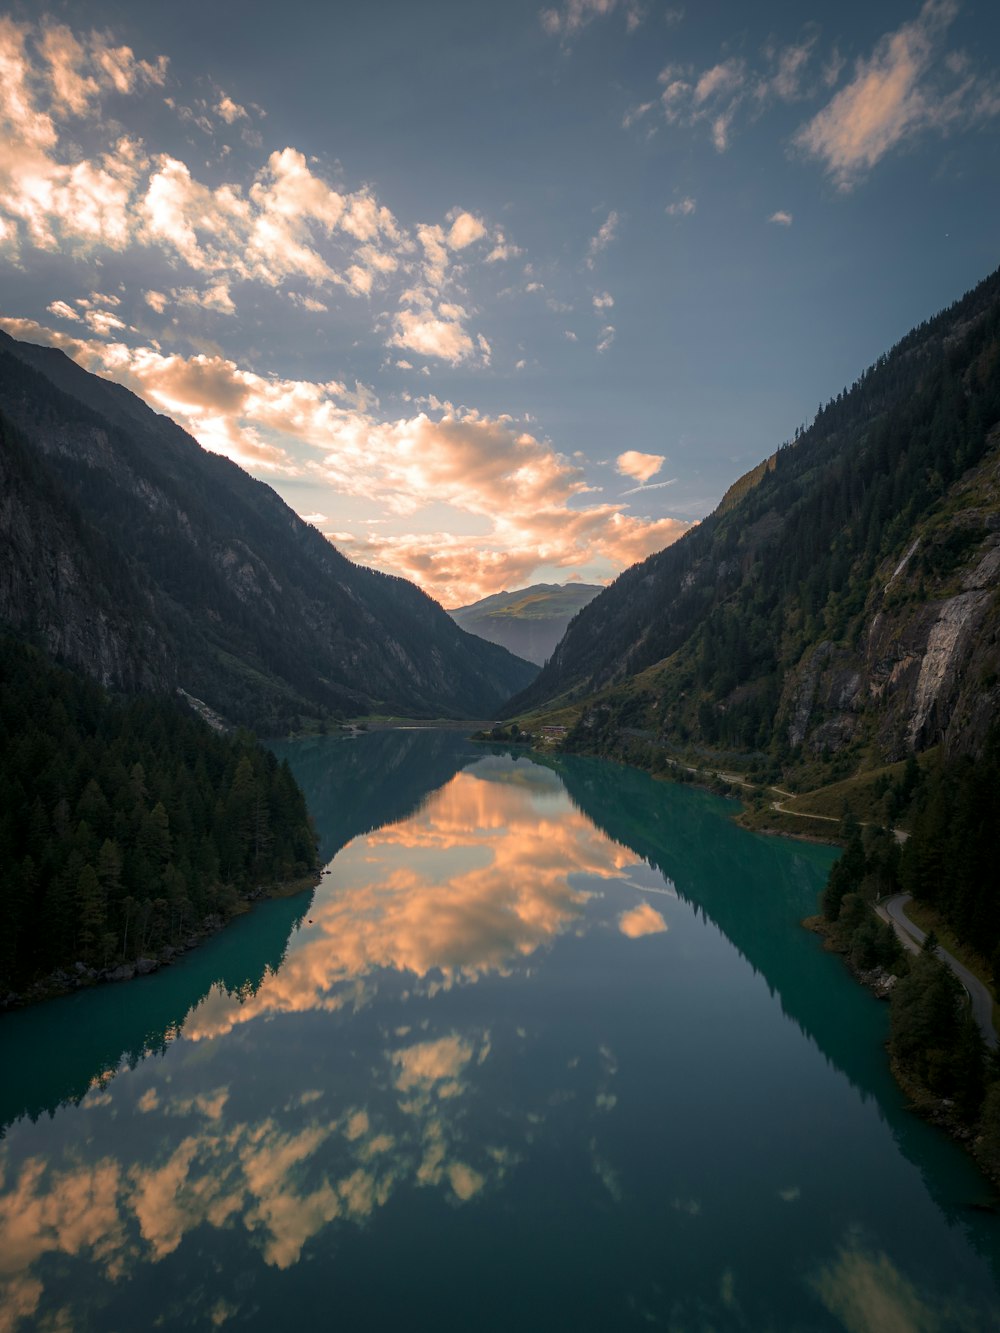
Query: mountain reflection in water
506	1068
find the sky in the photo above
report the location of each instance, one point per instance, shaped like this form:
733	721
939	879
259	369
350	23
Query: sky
493	294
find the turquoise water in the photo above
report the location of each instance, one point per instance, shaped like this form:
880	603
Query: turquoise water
546	1049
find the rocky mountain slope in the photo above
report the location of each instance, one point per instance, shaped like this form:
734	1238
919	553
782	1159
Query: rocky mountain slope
529	621
134	554
841	606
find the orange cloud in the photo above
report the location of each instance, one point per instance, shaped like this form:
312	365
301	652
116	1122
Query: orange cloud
66	58
83	202
523	492
428	334
459	570
465	229
641	920
432	1064
458	905
639	466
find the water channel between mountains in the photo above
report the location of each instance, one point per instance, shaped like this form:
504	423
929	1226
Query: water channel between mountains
546	1049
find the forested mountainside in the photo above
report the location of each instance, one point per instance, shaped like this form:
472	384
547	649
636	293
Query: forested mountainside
529	621
841	603
148	562
123	823
948	864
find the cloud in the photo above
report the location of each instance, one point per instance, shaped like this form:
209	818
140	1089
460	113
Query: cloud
458	570
475	885
607	338
712	96
639	466
475	463
725	78
788	68
431	334
436	257
80	70
715	97
526	493
72	88
575	15
604	237
229	110
782	218
464	230
81	202
282	1184
641	920
900	92
122	71
308	303
281	222
103	322
214	297
683	208
502	249
482	878
433	1065
636	113
865	1290
62	311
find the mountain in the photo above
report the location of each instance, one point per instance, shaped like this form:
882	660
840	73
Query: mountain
136	555
840	607
529	622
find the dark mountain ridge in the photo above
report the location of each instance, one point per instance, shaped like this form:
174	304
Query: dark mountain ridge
148	562
842	599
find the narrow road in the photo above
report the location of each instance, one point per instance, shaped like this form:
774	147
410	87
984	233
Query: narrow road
734	779
800	814
912	937
900	834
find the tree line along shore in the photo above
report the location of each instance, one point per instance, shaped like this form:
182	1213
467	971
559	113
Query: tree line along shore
129	829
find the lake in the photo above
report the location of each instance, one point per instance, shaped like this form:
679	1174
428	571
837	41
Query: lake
546	1049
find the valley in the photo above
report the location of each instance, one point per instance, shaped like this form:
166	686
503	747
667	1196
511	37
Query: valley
498	824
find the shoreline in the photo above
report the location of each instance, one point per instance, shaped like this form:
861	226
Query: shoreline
719	783
935	1110
921	1101
78	976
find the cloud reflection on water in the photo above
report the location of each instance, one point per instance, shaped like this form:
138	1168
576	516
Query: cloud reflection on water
494	869
281	1183
479	879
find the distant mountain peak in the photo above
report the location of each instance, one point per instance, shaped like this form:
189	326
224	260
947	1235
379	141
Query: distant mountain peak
528	621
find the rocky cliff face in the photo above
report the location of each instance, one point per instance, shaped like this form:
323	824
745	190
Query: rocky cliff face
925	667
136	555
59	583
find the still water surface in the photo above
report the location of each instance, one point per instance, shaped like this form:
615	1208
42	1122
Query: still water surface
547	1049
